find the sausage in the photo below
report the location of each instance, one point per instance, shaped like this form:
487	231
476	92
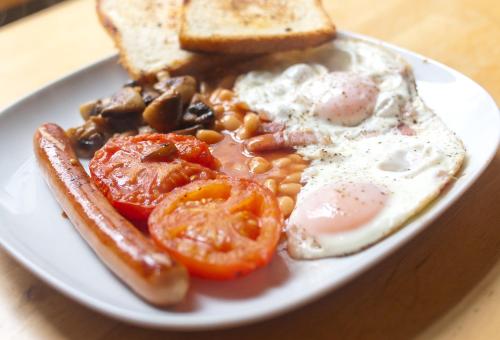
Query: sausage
148	271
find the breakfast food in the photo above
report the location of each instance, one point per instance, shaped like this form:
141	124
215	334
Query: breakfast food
388	154
303	124
278	170
135	173
170	104
249	27
146	34
151	273
219	229
325	150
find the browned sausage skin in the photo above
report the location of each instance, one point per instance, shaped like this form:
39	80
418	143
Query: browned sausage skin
151	273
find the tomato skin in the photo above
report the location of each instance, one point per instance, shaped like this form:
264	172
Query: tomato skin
136	213
134	187
206	225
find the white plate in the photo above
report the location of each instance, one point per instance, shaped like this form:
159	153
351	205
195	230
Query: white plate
34	232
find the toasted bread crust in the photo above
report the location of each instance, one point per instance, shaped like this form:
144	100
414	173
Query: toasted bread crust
254	44
190	63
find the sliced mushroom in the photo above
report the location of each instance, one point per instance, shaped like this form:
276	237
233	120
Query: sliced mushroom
89	109
185	86
199	112
131	83
188	131
125	123
89	137
149	94
165	112
165	153
127	101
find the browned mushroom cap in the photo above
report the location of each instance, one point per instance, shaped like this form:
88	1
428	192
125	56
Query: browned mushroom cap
126	101
185	86
164	113
199	112
89	137
149	94
165	153
89	109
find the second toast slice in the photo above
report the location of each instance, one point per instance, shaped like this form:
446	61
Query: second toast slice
253	26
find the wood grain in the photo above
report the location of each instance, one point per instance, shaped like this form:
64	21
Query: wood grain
444	284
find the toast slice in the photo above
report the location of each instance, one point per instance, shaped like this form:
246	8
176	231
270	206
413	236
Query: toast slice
146	34
253	26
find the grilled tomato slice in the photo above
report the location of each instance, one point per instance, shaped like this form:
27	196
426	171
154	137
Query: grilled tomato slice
219	229
135	173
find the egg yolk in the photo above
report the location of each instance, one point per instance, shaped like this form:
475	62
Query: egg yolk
336	208
348	98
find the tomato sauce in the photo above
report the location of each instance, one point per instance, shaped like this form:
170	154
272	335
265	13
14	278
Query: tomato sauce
234	159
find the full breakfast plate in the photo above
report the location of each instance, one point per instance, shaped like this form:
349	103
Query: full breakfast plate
36	234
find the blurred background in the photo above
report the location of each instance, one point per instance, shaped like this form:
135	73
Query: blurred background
11	10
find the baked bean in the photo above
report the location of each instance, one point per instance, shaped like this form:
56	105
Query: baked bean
242	106
286	205
231	112
230	122
293	178
230	109
225	94
298	167
218	109
290	189
243	133
282	162
209	136
271	184
251	122
218	126
259	165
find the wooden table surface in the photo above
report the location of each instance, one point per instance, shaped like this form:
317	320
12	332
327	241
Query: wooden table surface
6	4
444	284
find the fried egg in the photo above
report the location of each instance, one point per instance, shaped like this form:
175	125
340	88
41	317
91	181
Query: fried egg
387	154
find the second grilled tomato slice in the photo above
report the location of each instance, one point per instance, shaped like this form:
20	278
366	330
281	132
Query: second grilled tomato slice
135	173
219	229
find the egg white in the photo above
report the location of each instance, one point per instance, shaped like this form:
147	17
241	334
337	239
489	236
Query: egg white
411	168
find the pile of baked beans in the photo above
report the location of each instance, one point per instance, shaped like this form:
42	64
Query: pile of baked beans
280	172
